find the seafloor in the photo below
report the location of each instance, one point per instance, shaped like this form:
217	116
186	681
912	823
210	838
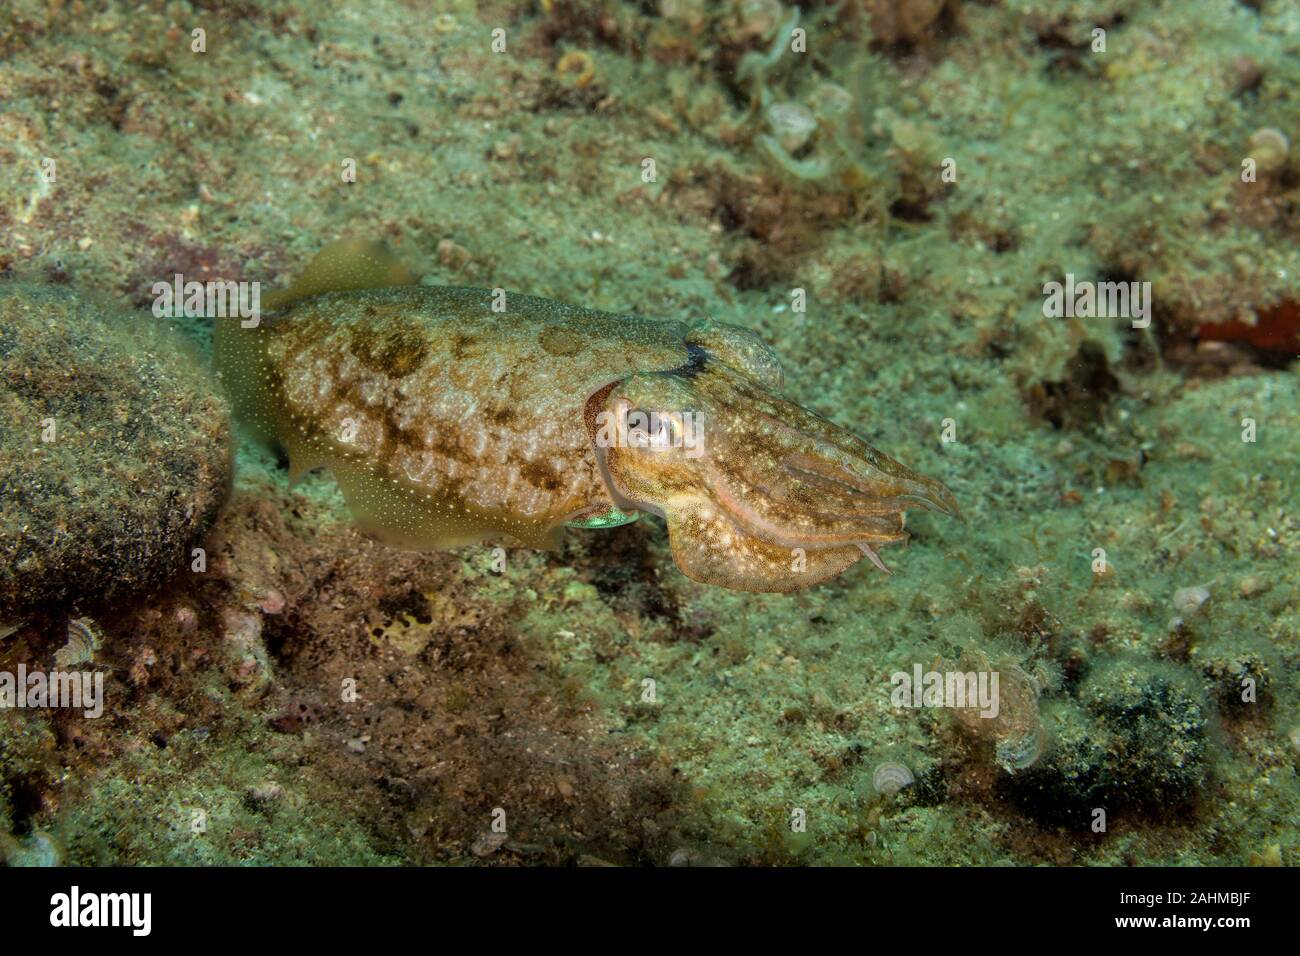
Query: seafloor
229	734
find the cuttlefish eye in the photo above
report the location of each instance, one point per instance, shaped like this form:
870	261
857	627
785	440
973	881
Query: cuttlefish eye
654	429
639	434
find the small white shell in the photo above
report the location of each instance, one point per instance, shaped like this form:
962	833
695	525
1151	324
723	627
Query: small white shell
888	778
792	124
1269	148
83	641
1189	600
1019	753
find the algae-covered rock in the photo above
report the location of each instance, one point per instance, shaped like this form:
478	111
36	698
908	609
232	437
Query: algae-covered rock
115	451
1136	738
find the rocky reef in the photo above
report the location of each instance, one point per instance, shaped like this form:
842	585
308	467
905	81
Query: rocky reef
882	190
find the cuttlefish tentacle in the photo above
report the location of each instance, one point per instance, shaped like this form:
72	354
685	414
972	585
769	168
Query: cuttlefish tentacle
824	449
449	416
767	516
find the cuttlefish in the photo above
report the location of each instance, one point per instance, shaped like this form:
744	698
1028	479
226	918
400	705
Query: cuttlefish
449	416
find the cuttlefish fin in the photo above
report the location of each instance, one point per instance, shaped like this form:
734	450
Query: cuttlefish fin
344	265
708	547
406	516
302	459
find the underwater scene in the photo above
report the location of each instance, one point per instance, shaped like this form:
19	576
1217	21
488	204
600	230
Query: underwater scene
649	433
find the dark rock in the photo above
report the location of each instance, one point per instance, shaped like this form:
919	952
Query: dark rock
115	454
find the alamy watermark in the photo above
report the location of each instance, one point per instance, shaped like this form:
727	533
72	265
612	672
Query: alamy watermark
953	689
657	431
215	299
1084	299
74	690
132	911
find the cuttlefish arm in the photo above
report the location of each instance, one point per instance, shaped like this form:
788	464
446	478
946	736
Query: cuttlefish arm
769	496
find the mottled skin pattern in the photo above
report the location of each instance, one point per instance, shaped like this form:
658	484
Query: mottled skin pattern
451	415
445	421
